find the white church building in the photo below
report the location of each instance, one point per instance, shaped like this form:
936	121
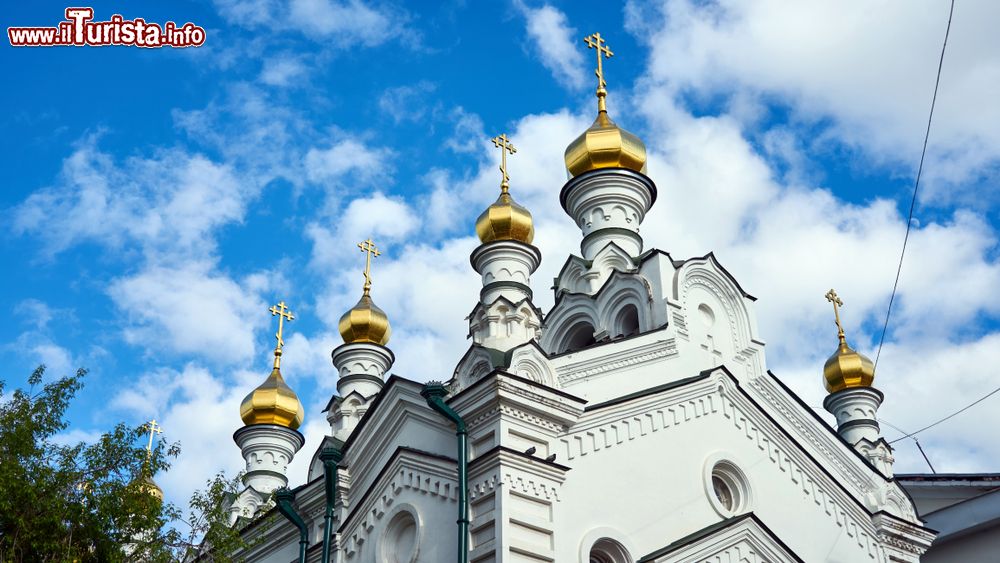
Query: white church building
634	421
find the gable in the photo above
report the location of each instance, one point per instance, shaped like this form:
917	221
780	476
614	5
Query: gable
399	417
741	538
712	415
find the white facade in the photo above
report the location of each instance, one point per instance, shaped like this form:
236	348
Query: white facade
634	421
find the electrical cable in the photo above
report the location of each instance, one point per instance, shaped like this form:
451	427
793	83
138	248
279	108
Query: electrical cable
916	185
958	412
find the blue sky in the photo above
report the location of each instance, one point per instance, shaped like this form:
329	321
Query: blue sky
158	200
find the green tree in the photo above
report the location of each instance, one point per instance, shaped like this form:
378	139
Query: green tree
94	502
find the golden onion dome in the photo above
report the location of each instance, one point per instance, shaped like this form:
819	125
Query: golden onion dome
847	368
505	220
149	485
365	322
605	145
273	402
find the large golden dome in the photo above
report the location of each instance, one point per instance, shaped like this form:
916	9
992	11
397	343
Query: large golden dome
365	322
605	145
273	402
505	220
847	368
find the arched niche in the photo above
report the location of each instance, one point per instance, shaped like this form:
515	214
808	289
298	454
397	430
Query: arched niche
577	337
627	321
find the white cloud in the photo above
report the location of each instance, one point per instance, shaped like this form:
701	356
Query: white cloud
308	357
408	102
191	310
283	70
556	42
348	156
166	206
386	220
34	312
349	20
467	133
866	68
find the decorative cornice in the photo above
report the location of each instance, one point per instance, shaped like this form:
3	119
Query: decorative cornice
621	358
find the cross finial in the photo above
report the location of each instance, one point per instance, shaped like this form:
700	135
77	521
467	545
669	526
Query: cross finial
505	146
283	314
370	250
153	428
595	41
832	297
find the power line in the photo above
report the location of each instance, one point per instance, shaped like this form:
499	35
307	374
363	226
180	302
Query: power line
958	412
916	184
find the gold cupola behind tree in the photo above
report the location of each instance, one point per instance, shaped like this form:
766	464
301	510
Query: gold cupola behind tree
145	480
505	219
604	144
365	322
846	368
274	402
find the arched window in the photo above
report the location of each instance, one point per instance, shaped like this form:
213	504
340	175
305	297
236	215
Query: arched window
578	337
628	321
607	550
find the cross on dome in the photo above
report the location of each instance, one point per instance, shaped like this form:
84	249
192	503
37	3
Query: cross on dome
283	314
505	146
368	247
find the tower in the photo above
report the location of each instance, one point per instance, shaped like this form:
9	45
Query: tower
268	440
608	193
363	359
505	316
848	376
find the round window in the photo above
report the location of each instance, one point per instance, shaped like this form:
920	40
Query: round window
728	488
399	544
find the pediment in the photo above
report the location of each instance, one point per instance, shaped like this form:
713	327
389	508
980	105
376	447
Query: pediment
398	417
741	538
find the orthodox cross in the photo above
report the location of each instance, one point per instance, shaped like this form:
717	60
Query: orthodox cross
595	41
368	247
505	146
831	296
153	429
283	314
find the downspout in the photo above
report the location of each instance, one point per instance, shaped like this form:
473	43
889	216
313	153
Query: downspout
330	457
284	498
434	393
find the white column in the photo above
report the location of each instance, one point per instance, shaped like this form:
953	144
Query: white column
506	267
609	205
362	367
267	450
855	409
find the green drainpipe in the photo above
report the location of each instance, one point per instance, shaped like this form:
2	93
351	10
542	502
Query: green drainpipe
284	498
434	393
330	457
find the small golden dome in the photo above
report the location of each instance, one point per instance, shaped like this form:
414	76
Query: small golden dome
149	485
847	368
365	322
505	220
273	402
605	145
